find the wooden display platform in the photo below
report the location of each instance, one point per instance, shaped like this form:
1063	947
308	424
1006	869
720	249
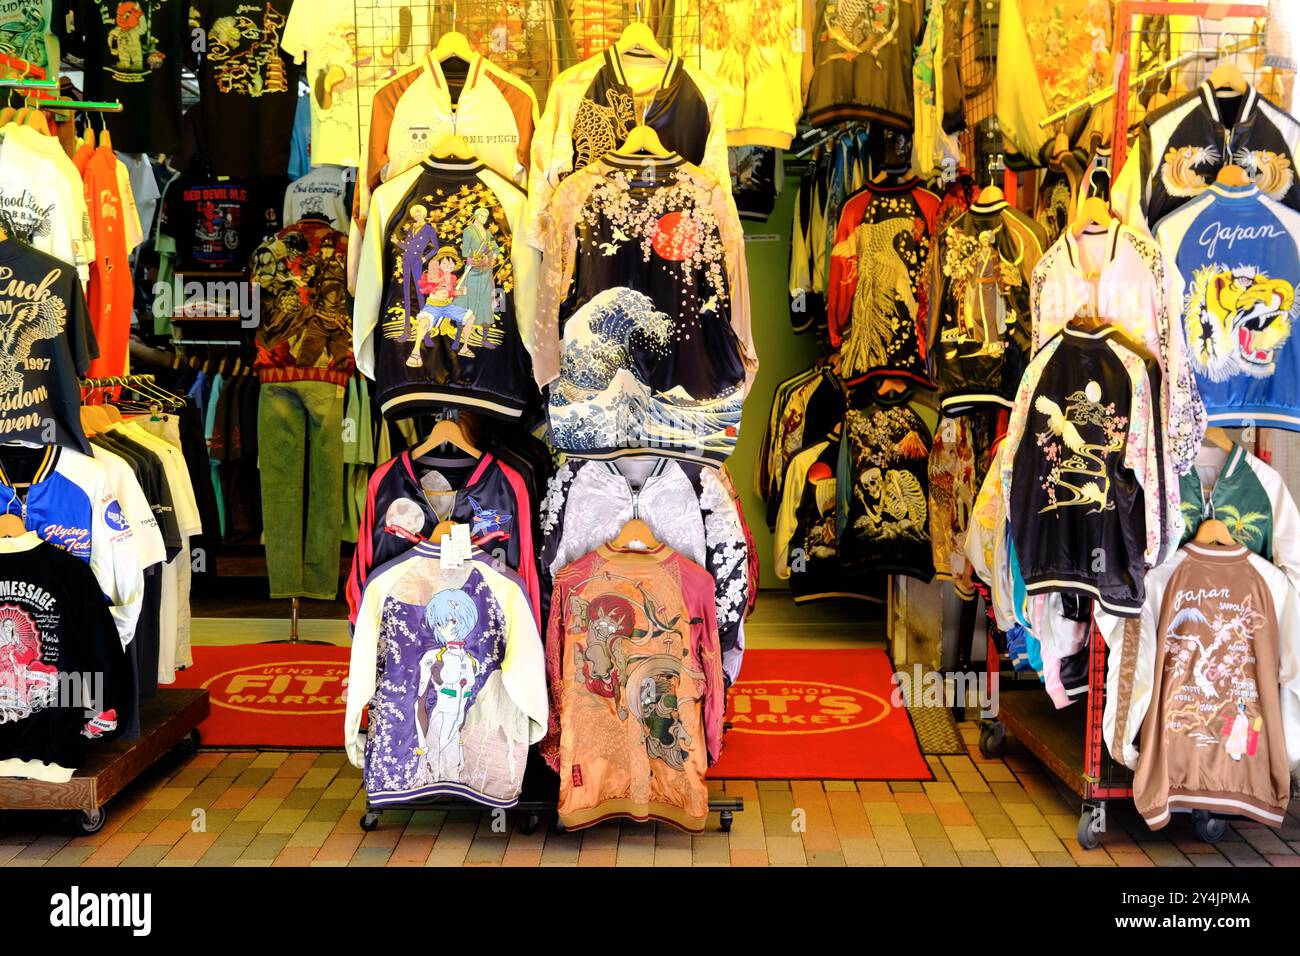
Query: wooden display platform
1055	737
165	721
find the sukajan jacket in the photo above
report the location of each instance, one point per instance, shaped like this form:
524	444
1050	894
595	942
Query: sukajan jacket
643	313
449	662
685	504
637	695
592	106
980	325
445	293
1080	471
407	499
1182	146
877	291
1198	682
1238	252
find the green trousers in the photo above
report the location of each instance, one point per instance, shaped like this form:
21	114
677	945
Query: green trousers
300	457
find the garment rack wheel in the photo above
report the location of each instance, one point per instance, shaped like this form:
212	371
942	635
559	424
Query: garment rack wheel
1092	824
993	739
370	820
90	822
530	822
188	745
724	820
1209	828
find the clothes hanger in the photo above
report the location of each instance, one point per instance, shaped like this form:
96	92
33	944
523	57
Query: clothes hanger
1226	76
448	431
1214	531
638	36
452	146
1218	438
1095	211
1232	175
635	536
642	139
453	43
105	138
990	195
12	525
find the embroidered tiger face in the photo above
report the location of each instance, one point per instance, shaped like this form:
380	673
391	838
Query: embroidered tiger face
1237	321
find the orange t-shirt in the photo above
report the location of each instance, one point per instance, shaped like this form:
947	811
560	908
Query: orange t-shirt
110	294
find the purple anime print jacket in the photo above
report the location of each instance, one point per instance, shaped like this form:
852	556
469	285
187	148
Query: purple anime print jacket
450	663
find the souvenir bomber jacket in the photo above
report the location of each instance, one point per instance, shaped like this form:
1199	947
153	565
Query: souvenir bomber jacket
643	314
635	677
980	318
877	292
449	662
686	506
1199	682
444	298
1182	146
1081	473
1239	254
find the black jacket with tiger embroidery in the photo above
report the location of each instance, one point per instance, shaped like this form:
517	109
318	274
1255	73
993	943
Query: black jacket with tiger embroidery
1182	146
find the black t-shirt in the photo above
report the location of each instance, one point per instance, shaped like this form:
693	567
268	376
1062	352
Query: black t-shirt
217	222
248	89
46	344
133	52
54	623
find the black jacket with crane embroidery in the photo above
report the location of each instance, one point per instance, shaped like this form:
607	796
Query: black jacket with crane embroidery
1081	470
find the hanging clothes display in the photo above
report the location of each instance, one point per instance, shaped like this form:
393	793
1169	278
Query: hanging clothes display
447	657
445	295
1239	254
636	685
643	313
323	192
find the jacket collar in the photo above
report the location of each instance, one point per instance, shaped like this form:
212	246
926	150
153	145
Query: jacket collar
1211	102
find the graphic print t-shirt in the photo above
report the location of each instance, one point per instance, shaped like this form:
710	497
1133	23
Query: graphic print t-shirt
133	51
45	344
25	32
217	222
248	88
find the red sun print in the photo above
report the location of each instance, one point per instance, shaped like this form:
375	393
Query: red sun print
676	237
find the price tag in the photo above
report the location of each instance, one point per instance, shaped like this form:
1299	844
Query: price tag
449	558
460	541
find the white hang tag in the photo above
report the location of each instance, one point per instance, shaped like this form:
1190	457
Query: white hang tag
460	542
449	558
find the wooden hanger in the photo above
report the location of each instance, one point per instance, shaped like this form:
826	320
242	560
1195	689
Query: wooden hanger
1096	211
642	139
635	536
1060	145
442	530
11	525
1232	175
639	36
452	146
1214	531
1218	438
1227	76
447	432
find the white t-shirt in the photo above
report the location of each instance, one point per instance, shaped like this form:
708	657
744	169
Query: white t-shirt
322	192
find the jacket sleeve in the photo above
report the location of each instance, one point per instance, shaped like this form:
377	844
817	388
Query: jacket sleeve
727	559
114	561
368	299
526	265
787	517
523	671
1140	453
559	246
842	275
364	554
554	650
363	672
704	628
554	509
732	235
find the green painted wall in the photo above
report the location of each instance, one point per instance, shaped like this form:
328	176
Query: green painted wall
781	354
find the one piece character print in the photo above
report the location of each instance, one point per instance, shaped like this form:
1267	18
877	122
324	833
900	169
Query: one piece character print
480	249
27	684
416	241
447	673
1077	468
442	286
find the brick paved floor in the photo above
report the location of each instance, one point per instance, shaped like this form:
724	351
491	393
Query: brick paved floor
278	808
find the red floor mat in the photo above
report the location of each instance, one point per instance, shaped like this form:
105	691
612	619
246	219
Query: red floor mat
271	695
818	715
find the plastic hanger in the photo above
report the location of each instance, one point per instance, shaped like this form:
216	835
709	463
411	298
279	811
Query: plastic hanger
453	43
453	146
105	138
11	525
638	36
1232	175
447	432
990	195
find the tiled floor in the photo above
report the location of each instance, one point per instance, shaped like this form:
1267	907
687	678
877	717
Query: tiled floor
296	808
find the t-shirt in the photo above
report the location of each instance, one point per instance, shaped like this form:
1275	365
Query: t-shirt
322	192
341	60
42	200
133	52
25	32
54	625
217	222
111	291
248	91
45	345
